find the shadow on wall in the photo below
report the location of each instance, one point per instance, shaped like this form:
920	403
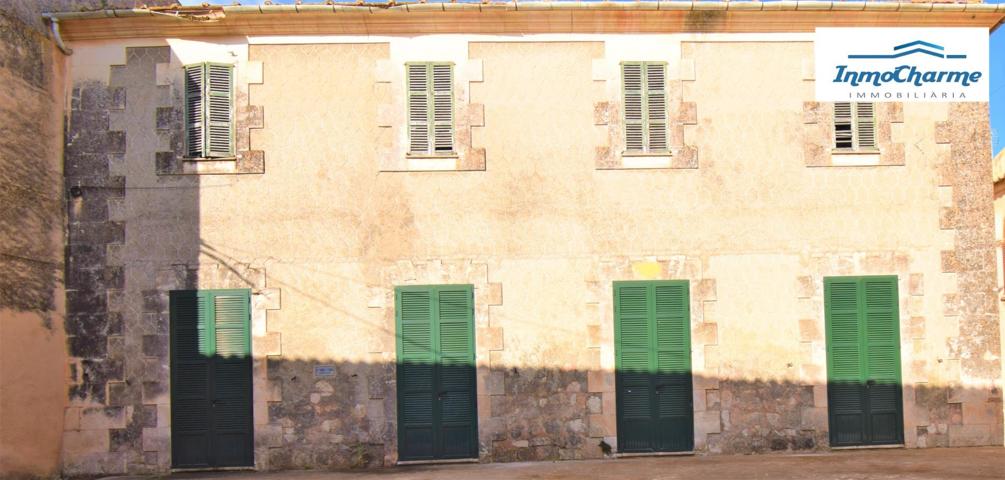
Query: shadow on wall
125	221
29	180
32	351
335	414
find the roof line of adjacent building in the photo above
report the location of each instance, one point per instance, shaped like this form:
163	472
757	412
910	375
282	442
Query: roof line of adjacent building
667	5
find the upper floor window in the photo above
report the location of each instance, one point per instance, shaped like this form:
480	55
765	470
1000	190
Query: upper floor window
430	108
854	126
644	88
209	115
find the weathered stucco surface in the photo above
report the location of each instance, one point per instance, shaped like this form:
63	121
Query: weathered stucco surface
32	341
541	233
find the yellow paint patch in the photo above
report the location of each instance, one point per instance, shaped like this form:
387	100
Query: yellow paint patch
646	270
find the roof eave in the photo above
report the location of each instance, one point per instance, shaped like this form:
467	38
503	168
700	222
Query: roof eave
519	17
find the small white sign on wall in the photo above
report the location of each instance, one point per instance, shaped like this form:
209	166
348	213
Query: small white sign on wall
901	64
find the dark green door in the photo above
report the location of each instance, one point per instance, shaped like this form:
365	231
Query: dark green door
863	361
211	420
437	417
652	339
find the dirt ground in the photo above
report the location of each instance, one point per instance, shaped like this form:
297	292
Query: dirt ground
893	464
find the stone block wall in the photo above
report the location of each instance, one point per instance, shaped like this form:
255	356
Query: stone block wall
123	259
32	340
971	412
106	415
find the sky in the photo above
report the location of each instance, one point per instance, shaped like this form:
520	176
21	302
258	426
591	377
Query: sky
997	86
997	72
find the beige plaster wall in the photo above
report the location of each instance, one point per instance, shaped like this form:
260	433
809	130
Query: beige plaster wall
542	233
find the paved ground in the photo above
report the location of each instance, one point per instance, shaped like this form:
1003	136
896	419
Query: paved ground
898	464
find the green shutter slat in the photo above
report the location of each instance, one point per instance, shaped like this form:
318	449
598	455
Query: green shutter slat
863	360
211	378
653	366
194	110
436	372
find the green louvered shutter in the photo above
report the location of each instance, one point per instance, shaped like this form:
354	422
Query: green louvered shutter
436	374
845	371
430	108
854	125
219	111
644	92
209	110
884	423
653	366
195	109
656	107
633	379
418	108
443	107
843	136
672	384
632	85
865	125
231	378
211	408
456	376
416	372
191	356
863	360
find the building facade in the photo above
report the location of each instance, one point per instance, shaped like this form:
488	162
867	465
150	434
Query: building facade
331	236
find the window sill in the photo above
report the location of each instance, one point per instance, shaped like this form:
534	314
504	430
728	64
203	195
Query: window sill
854	151
660	153
432	155
208	166
245	162
432	162
210	159
646	160
855	158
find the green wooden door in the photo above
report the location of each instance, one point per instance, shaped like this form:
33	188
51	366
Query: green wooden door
437	417
211	417
863	361
653	366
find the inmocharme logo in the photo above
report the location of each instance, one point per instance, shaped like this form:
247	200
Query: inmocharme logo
930	64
